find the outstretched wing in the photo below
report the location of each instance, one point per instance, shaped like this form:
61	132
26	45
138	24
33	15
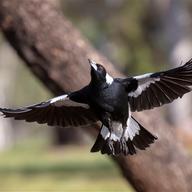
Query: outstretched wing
155	89
61	111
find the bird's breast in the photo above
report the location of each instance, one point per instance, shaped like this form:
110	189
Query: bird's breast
113	99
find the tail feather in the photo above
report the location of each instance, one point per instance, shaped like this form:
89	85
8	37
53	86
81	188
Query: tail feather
144	138
117	148
106	149
136	137
103	145
131	148
100	141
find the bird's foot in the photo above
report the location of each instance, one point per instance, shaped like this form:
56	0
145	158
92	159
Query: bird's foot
110	144
123	145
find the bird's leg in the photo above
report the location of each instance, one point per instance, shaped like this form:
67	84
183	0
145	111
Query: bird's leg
106	120
110	127
109	140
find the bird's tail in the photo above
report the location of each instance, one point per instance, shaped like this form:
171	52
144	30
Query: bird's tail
134	136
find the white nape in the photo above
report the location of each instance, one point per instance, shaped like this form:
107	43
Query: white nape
109	79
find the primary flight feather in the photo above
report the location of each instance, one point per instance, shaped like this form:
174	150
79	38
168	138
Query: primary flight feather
111	101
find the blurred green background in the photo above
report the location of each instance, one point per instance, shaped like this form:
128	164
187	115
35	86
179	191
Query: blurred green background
137	37
32	165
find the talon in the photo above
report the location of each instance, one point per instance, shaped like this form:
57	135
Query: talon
110	144
123	145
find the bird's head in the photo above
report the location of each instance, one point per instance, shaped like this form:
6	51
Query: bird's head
99	74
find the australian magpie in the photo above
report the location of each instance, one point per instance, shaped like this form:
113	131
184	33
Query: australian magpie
111	101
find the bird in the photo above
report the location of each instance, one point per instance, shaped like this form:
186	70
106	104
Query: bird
111	101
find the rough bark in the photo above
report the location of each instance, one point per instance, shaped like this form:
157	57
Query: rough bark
57	54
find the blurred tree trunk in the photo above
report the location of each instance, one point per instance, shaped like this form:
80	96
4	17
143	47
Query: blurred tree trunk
6	72
57	54
178	41
171	23
64	136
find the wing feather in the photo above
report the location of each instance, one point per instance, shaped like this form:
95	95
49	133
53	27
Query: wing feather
60	111
155	89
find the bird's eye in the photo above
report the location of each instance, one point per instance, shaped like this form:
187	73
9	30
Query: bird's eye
101	70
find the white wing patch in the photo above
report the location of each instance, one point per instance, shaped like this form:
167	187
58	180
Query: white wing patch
144	82
58	100
144	76
64	100
109	79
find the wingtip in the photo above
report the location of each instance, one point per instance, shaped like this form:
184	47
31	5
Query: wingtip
188	63
190	60
155	137
2	112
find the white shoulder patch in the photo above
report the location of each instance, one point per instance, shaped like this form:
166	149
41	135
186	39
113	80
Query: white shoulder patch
64	100
144	76
59	99
144	82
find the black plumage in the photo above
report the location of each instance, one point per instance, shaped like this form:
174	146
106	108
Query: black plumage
111	101
161	87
